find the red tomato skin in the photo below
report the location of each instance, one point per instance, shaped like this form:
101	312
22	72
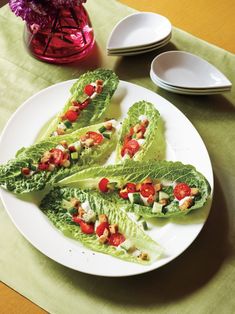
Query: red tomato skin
85	227
43	166
84	104
181	190
97	137
116	239
57	156
131	187
123	194
147	189
71	115
101	227
103	185
89	89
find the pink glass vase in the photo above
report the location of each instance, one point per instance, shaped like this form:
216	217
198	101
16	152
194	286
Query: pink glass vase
68	38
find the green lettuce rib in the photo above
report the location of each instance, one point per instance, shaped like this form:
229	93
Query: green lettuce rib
96	109
154	145
10	173
134	171
52	206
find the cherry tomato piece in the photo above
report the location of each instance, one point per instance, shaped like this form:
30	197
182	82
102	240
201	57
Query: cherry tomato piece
131	147
71	115
97	137
89	89
43	166
103	185
147	189
101	227
123	194
76	219
181	190
116	239
84	104
57	156
131	187
87	228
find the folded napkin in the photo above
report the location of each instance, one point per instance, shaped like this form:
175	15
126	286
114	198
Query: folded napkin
201	280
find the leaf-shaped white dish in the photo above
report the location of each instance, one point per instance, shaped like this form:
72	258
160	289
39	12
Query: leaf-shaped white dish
139	29
185	70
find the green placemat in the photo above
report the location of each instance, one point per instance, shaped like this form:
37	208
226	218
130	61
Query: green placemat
201	280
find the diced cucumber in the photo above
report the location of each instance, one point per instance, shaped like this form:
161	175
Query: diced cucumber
74	155
126	245
73	211
135	198
102	129
107	135
33	167
68	124
144	225
163	195
157	208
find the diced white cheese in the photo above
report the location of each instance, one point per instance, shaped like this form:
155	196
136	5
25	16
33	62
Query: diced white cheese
61	147
86	206
89	216
143	117
62	126
93	95
141	141
181	202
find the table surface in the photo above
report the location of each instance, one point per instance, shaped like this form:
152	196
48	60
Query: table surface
210	20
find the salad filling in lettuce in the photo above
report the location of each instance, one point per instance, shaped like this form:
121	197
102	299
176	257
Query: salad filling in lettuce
99	225
141	136
91	95
150	188
57	157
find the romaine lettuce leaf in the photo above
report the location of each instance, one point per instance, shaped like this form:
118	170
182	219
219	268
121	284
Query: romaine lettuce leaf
167	172
96	109
12	179
154	143
52	206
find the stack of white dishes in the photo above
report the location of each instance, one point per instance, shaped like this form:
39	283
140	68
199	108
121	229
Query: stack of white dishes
139	33
184	73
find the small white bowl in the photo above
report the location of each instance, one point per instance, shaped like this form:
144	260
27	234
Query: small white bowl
185	70
139	29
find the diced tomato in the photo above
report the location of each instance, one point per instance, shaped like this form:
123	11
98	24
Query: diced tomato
181	190
142	129
84	104
103	185
71	115
57	156
43	166
85	227
131	147
76	103
76	219
97	137
131	131
25	171
150	199
147	189
72	148
131	187
101	227
98	89
116	239
89	89
123	193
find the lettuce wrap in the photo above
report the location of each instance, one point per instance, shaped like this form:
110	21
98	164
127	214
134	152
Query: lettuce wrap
141	136
88	106
148	188
54	158
60	207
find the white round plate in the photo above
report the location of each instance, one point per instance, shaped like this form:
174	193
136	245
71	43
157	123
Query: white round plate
183	144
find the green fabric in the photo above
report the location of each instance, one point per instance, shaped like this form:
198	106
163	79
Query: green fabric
201	280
